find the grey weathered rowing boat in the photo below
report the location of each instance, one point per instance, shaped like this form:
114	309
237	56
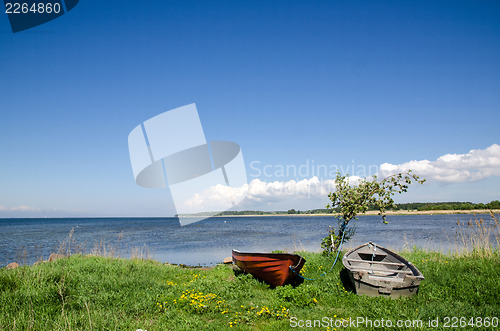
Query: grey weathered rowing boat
377	271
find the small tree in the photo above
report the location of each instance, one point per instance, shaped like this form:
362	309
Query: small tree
350	200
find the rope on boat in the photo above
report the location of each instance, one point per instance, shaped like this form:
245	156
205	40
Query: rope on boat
373	256
334	262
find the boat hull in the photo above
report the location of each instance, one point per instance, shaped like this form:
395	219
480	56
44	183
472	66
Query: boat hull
377	271
277	269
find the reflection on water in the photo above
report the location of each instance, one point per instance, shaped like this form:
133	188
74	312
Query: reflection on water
209	241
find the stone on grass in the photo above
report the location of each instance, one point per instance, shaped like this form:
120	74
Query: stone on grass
12	265
55	256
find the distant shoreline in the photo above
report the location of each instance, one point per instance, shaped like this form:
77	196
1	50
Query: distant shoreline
368	213
375	212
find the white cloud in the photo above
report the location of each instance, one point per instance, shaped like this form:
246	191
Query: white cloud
450	168
19	208
305	188
29	211
23	208
453	168
214	198
259	192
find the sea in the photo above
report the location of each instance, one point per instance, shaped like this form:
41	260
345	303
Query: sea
208	242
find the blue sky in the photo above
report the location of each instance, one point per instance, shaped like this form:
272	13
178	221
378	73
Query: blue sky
293	82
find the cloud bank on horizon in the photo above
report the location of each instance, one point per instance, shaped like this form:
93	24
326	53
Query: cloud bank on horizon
450	168
453	168
260	192
19	209
475	165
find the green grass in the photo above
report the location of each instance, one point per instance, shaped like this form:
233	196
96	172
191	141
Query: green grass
97	293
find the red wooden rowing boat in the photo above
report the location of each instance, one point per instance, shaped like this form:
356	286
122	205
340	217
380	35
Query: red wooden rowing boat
277	269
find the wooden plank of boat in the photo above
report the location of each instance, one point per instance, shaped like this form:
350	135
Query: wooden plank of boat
376	262
277	269
375	271
390	271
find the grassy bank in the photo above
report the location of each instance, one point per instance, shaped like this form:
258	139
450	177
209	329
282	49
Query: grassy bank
96	293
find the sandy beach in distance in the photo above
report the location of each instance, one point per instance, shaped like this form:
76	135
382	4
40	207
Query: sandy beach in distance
389	212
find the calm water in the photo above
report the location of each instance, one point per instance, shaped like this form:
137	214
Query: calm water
209	241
